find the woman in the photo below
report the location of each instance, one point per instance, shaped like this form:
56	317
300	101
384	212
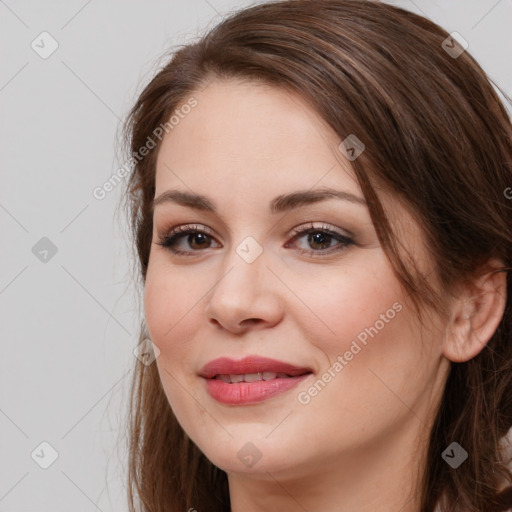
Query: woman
319	205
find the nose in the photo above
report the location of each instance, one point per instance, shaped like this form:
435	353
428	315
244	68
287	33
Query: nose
246	296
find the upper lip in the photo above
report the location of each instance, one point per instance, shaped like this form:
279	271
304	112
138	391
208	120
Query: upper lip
249	364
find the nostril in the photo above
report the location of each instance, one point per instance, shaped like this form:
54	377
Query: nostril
251	321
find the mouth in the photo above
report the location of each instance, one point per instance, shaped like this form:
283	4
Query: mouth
251	367
254	377
250	380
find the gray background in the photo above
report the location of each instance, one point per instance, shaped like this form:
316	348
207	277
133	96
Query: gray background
69	320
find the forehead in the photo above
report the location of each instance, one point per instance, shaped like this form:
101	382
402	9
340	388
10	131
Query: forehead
249	133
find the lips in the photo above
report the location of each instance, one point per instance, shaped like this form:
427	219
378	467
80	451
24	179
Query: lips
251	380
249	366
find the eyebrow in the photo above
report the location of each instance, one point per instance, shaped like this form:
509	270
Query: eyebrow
279	204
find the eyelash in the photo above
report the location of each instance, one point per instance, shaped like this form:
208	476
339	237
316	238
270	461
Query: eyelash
169	239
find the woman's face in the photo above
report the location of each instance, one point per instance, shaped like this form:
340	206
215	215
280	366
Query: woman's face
248	283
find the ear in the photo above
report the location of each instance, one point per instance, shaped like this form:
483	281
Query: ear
476	313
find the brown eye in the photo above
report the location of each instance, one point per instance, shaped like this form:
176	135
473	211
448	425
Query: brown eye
320	241
191	238
198	240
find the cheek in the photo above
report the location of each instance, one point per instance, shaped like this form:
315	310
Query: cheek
370	335
346	304
171	299
168	311
376	360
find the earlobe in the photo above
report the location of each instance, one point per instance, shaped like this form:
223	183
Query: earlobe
476	314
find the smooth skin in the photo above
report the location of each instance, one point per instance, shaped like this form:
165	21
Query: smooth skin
359	443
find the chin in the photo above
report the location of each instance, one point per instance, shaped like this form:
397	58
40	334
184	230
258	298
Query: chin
251	455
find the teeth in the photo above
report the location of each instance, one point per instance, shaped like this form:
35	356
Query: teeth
251	377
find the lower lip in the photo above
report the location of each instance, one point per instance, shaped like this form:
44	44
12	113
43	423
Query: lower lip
242	393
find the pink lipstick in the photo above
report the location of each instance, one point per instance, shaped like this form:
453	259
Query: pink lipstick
250	380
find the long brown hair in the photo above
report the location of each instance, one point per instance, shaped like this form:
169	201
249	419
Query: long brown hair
436	135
